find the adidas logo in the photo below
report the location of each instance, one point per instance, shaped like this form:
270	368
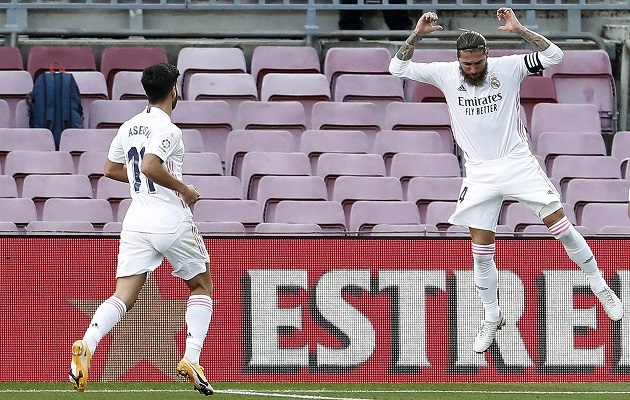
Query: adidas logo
189	335
549	191
461	88
94	325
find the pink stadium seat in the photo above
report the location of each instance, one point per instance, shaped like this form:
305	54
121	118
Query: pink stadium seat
553	144
19	164
92	165
425	93
536	89
5	114
92	86
388	143
404	230
365	214
377	89
96	211
220	228
192	60
231	88
256	164
421	117
78	141
274	228
349	189
315	142
330	166
11	59
112	190
203	163
14	86
22	115
8	187
281	115
110	114
211	118
193	141
8	228
620	150
550	117
283	59
20	211
42	187
247	212
240	142
355	60
328	215
71	58
26	139
308	89
134	58
579	192
422	190
406	166
274	189
437	213
127	86
517	216
216	187
585	77
59	227
596	216
347	116
565	168
425	56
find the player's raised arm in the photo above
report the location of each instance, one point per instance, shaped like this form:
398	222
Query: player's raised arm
423	27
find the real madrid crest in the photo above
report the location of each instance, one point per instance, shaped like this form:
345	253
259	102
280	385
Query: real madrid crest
495	83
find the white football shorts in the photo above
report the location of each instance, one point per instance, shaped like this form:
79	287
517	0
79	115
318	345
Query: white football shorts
486	184
141	252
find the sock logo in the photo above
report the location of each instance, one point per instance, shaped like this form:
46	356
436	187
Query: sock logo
481	287
589	260
94	325
189	335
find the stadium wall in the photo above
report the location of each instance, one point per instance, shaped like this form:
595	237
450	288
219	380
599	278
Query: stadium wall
320	310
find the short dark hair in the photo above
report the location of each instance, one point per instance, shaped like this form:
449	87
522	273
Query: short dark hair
158	80
471	41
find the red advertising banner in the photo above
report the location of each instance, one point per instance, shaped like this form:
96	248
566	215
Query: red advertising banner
320	310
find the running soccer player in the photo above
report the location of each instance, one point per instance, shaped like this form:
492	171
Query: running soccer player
482	94
148	153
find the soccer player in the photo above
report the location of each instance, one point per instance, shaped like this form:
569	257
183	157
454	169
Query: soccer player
148	152
482	94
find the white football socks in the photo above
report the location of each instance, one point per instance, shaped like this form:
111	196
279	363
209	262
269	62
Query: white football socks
486	278
579	251
106	316
198	315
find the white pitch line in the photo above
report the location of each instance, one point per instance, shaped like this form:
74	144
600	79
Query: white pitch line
282	393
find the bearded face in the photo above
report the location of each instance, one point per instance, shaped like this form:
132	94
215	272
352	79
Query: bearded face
474	67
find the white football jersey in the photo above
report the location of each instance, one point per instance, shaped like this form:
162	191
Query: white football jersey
154	208
485	119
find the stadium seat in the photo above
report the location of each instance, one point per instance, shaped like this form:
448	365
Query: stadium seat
78	141
123	206
127	86
5	115
426	93
365	214
59	227
328	215
564	168
355	60
517	216
421	117
274	189
283	59
437	213
202	163
330	166
404	230
247	212
256	164
11	59
550	117
8	228
92	165
553	144
193	141
406	166
620	150
192	60
315	142
422	190
240	142
71	58
133	58
347	116
536	89
92	86
377	89
8	187
14	86
112	190
308	89
579	192
96	211
280	115
19	164
216	187
348	189
585	77
20	211
231	88
220	228
40	188
112	228
596	216
211	118
414	90
22	115
26	139
274	228
388	143
110	114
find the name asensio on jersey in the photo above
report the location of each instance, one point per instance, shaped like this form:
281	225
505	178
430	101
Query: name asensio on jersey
139	130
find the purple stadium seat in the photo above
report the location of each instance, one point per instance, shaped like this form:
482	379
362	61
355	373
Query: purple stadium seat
307	89
517	216
231	88
388	143
553	144
112	228
330	166
211	118
437	213
127	86
281	115
116	59
92	86
8	228
192	60
377	89
22	115
26	139
78	141
596	216
274	189
585	77
71	58
425	93
14	86
96	211
421	117
347	116
365	214
355	60
11	59
112	190
123	206
5	114
92	165
220	228
349	189
240	142
8	187
247	212
257	164
110	114
277	228
283	59
59	227
315	142
202	163
193	141
404	230
536	89
42	187
328	215
20	211
564	168
621	150
405	166
579	192
19	164
426	56
216	187
550	117
422	190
